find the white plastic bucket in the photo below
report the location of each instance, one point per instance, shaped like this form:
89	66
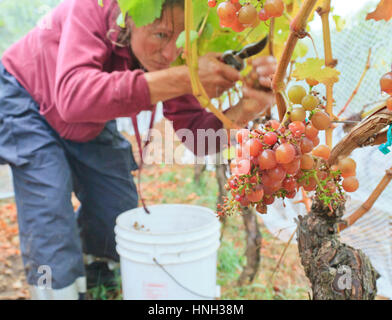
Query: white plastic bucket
169	254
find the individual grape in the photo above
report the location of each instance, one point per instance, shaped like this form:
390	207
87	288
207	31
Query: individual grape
268	199
255	195
270	138
289	184
310	185
272	124
306	145
245	202
234	1
247	14
310	102
242	135
211	3
389	104
321	120
276	186
263	15
226	11
347	167
322	175
261	208
316	141
274	8
293	166
350	184
226	23
298	114
296	94
307	162
285	153
277	174
322	151
386	83
237	26
243	166
297	128
291	194
311	132
267	160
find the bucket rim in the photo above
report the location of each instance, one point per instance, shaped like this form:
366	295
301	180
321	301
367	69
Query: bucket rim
132	230
156	239
124	254
191	245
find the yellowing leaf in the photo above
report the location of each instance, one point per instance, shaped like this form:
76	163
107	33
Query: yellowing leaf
339	22
382	12
229	153
315	69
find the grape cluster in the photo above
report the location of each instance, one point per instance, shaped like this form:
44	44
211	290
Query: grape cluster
386	86
232	14
275	160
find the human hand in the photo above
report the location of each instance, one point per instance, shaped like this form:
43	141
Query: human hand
215	75
265	68
253	103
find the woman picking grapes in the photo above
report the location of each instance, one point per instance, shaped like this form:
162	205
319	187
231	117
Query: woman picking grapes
62	86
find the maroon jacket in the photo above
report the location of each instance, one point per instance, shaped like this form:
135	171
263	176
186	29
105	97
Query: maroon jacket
81	80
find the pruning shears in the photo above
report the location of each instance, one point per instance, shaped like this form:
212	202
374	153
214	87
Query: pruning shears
236	58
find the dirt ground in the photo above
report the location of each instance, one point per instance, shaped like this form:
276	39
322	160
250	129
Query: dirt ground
13	283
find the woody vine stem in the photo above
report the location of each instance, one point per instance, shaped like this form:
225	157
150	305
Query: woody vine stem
191	57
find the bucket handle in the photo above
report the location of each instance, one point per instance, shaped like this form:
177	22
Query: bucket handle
176	281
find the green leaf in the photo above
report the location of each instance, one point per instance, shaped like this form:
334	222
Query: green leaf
143	12
181	38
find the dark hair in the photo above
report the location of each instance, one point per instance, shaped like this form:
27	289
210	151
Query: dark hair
124	36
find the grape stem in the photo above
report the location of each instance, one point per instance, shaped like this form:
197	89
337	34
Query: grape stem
286	118
192	62
204	22
368	204
367	67
297	30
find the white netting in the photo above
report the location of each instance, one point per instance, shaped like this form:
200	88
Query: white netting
373	232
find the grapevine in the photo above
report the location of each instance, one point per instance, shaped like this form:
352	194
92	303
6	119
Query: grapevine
273	161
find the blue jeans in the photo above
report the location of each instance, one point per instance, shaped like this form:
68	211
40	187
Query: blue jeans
46	169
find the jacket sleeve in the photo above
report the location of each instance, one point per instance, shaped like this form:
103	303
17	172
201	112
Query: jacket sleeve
201	131
83	91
